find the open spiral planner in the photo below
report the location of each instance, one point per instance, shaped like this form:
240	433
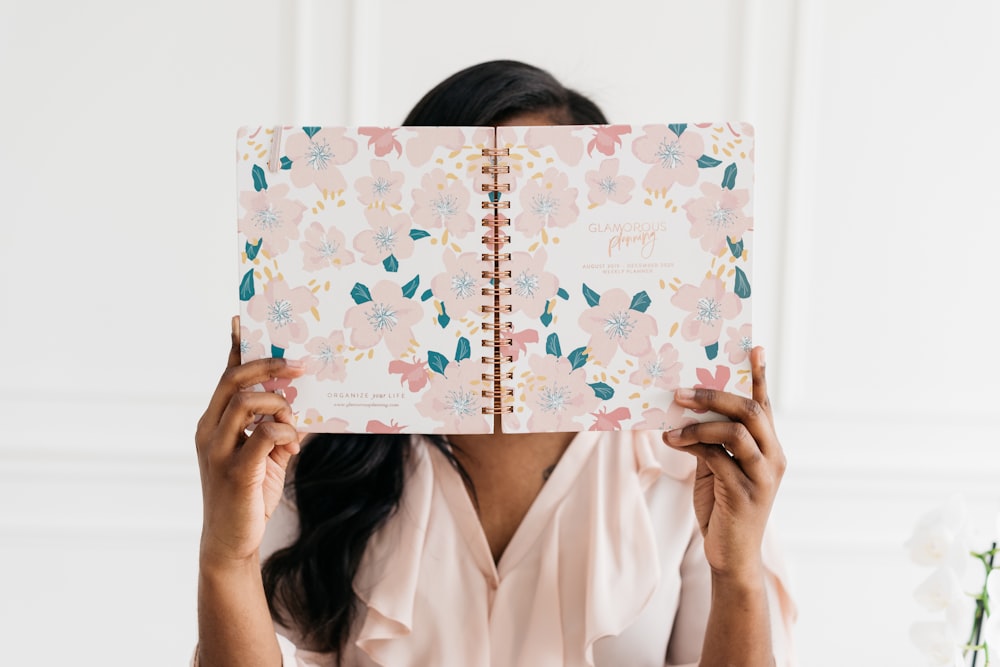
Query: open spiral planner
563	278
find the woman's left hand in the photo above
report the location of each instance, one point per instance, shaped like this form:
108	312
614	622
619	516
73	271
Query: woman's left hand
740	465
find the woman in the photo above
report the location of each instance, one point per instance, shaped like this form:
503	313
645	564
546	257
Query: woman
527	549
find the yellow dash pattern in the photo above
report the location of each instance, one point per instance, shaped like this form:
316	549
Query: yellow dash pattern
371	353
315	313
673	329
358	357
633	396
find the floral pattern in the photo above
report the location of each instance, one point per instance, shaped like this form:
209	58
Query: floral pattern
324	248
315	156
442	201
606	184
326	357
531	286
546	201
718	216
270	217
460	286
383	188
281	308
674	158
708	305
389	316
659	369
558	395
455	399
613	323
388	236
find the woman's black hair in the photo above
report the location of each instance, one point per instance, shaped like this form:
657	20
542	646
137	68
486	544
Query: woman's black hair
345	486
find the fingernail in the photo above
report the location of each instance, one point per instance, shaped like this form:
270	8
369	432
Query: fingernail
234	325
684	394
674	435
294	363
763	360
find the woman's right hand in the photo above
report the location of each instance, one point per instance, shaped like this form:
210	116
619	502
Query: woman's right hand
243	477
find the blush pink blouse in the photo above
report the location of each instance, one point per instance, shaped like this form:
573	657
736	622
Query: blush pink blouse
606	569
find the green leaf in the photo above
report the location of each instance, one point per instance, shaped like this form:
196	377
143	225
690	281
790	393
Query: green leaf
310	131
706	162
729	178
562	294
742	287
592	297
285	162
426	295
277	352
545	319
602	390
252	250
259	182
360	294
640	302
712	351
391	264
246	286
677	128
464	350
735	248
552	345
577	358
418	234
443	318
410	288
437	362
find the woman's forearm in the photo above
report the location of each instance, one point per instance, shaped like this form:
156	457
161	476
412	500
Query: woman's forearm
739	626
234	624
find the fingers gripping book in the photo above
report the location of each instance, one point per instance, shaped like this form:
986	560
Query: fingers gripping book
565	278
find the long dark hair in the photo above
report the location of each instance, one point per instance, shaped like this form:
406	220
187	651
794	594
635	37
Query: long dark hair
346	486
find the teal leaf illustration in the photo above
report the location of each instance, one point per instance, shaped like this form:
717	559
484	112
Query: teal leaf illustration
602	391
418	234
677	128
640	302
735	248
410	288
252	250
259	182
552	345
360	294
562	294
742	287
592	297
437	362
706	162
712	351
246	286
426	295
285	162
494	196
310	131
277	352
443	318
464	350
545	318
577	358
391	264
729	178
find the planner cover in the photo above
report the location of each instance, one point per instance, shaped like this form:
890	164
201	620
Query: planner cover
565	278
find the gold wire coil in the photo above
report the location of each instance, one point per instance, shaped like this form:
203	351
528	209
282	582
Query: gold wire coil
495	187
505	308
496	291
505	203
496	257
504	393
504	410
496	275
501	342
496	168
493	326
496	240
488	377
499	359
495	152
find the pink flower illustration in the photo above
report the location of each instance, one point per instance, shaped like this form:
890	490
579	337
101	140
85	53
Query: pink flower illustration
658	419
315	159
568	147
518	342
606	183
455	399
382	140
250	345
270	216
280	307
389	316
323	248
383	188
442	202
420	149
546	202
375	426
607	138
708	306
531	286
331	425
326	357
717	381
557	395
717	215
281	386
612	324
740	343
460	286
610	421
414	375
660	369
389	235
674	159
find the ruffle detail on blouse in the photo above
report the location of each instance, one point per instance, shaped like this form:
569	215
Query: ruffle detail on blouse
389	571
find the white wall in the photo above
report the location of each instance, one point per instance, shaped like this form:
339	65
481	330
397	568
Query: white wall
876	144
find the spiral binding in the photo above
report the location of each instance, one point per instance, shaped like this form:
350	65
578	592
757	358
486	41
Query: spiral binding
494	239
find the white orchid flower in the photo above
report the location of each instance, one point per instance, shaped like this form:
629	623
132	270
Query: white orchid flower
938	643
941	537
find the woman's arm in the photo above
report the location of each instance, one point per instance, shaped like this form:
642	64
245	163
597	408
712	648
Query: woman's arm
740	465
242	478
